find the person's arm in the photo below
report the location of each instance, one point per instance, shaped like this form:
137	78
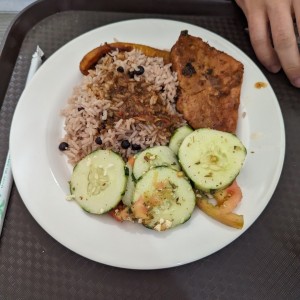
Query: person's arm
272	34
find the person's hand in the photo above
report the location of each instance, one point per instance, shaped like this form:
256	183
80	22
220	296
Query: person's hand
272	34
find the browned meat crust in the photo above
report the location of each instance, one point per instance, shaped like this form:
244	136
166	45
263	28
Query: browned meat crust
209	84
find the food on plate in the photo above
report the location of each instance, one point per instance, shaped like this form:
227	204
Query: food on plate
135	155
212	159
125	104
209	84
121	213
127	197
90	59
226	201
178	136
98	181
163	199
154	189
154	157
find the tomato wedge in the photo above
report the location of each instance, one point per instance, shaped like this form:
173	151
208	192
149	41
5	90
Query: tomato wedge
227	201
131	161
120	213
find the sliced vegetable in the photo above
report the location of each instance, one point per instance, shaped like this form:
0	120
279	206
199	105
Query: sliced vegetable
130	186
227	200
212	159
154	157
178	136
163	199
98	181
121	213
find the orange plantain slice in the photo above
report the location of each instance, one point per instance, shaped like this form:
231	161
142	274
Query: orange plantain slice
92	57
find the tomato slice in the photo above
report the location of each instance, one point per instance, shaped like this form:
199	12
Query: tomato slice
229	198
120	213
131	161
227	201
139	209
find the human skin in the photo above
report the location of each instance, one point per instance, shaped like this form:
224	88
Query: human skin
272	34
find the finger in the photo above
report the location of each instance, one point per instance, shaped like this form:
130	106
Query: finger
261	41
284	40
297	16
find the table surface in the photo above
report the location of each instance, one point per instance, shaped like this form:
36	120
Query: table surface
5	20
264	263
14	5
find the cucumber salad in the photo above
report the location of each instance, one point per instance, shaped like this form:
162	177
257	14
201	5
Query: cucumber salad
160	187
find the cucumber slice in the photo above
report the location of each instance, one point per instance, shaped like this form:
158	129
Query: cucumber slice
212	159
163	199
154	157
130	186
98	181
178	136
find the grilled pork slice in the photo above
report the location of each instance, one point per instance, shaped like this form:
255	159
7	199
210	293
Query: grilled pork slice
209	84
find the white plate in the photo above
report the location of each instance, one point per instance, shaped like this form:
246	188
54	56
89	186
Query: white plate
41	173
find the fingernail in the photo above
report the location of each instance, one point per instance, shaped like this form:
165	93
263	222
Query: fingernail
275	68
296	82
